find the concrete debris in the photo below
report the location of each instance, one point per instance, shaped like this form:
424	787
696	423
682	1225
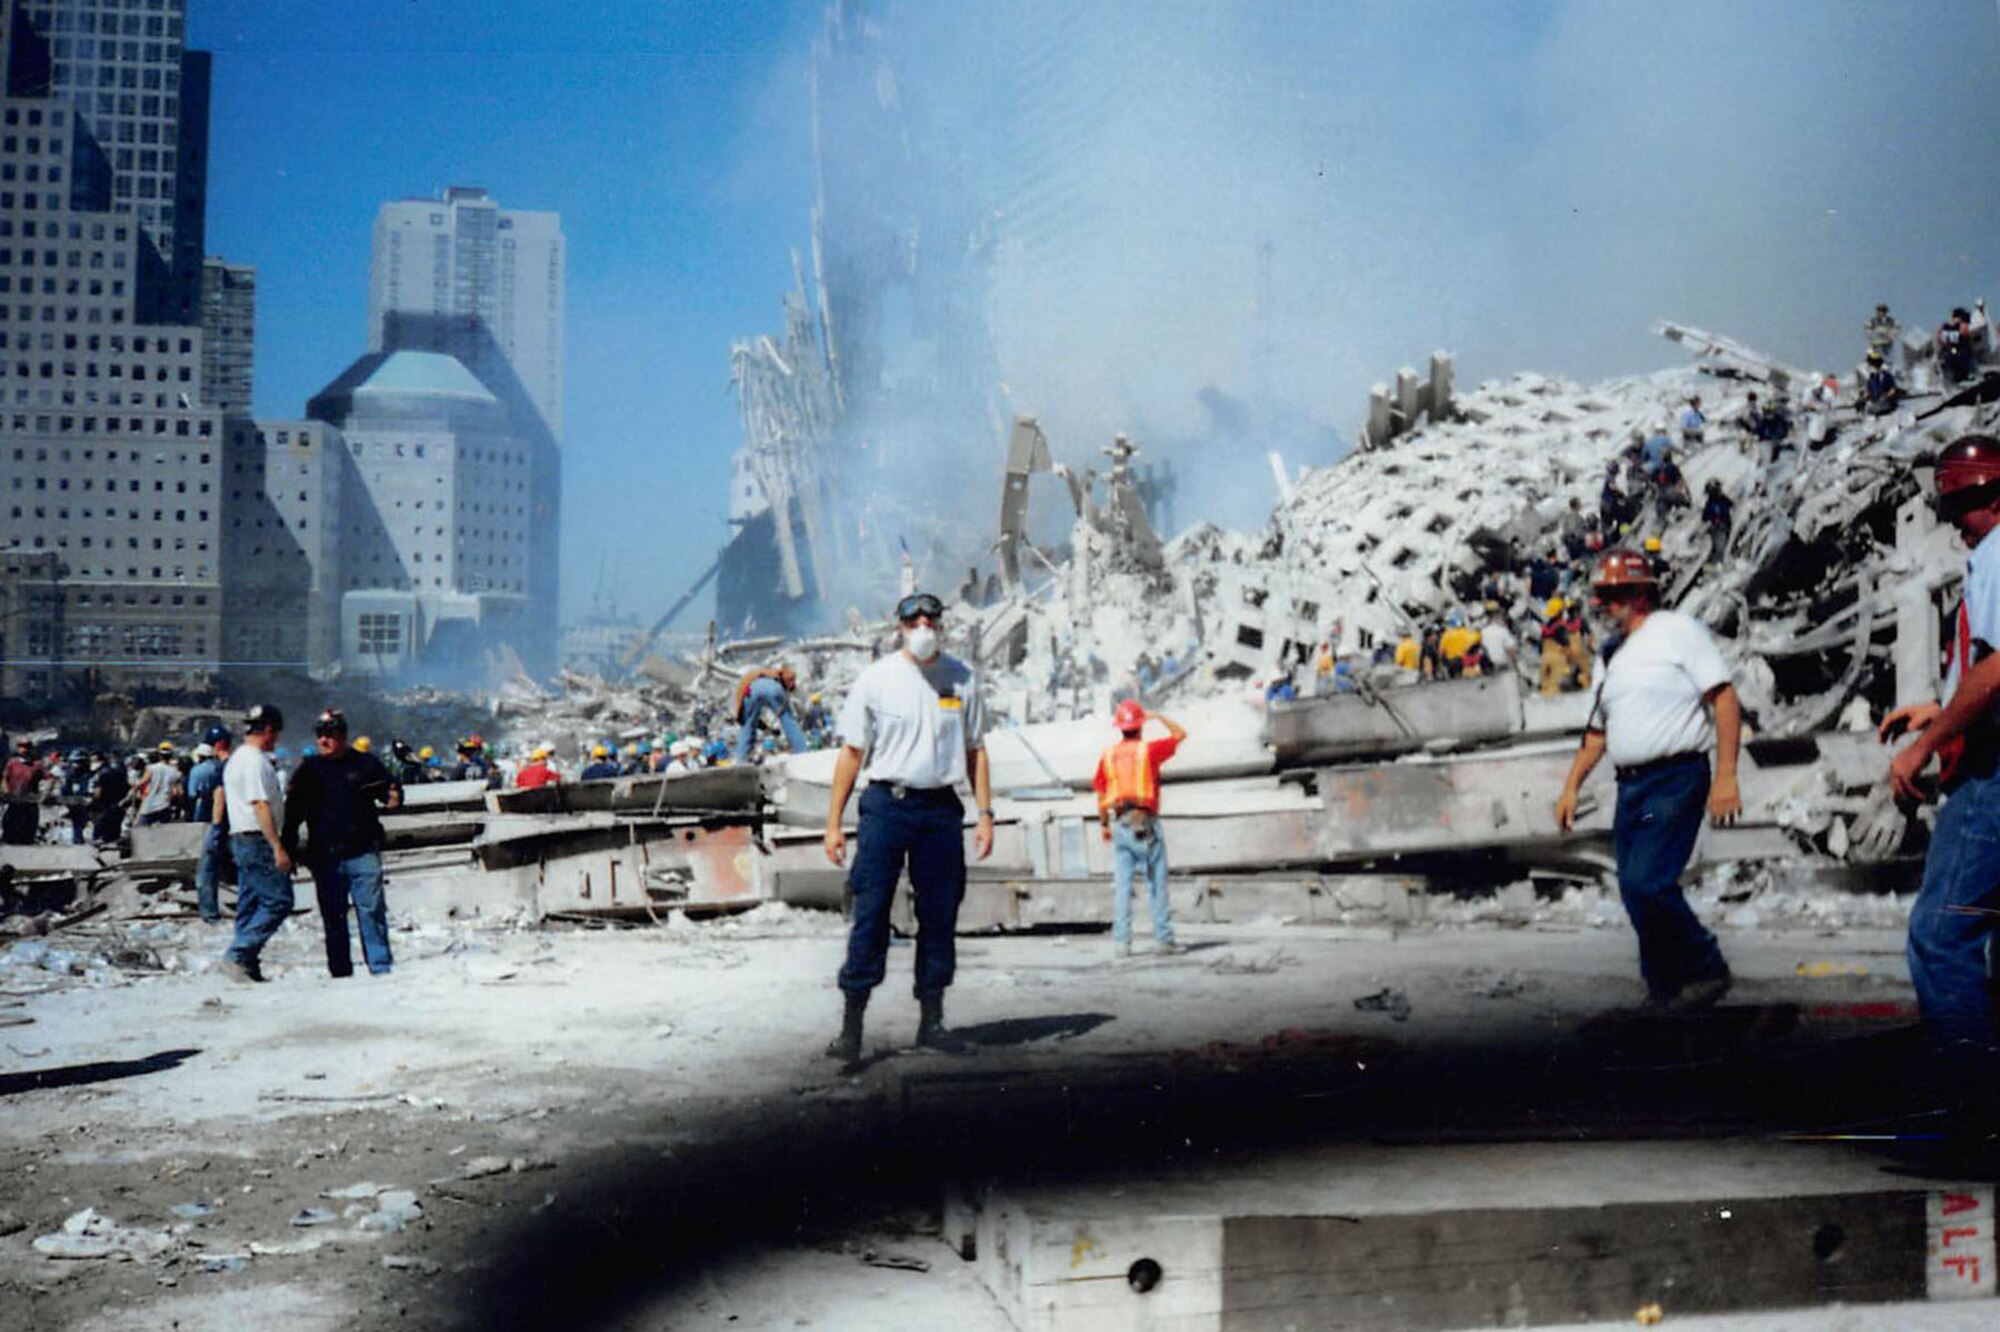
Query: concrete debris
89	1234
1386	1000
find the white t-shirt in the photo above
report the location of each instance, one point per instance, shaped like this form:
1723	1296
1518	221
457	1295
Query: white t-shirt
1498	640
1650	698
248	776
914	723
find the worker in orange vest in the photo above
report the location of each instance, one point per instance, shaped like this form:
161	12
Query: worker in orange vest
1128	808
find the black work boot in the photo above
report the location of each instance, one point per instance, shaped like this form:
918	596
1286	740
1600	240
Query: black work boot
846	1047
932	1034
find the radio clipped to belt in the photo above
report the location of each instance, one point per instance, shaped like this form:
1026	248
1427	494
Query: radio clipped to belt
1138	819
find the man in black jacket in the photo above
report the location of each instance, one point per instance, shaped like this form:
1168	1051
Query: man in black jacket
336	793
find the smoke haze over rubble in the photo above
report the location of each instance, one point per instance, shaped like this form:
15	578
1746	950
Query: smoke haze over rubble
1285	202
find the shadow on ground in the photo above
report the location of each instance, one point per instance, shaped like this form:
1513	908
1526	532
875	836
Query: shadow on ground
82	1075
809	1166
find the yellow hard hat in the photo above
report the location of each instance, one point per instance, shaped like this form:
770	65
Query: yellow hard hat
599	751
631	746
425	752
542	751
815	698
1652	545
166	746
363	743
1553	609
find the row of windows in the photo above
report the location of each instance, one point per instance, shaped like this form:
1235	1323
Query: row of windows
57	116
33	230
110	486
110	455
160	572
31	173
116	424
70	315
119	16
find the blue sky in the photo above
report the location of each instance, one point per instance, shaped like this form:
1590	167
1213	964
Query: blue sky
1528	185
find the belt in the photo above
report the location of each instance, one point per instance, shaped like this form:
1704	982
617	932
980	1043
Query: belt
902	792
1651	766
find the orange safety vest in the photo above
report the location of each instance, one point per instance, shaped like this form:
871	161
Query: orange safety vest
1130	777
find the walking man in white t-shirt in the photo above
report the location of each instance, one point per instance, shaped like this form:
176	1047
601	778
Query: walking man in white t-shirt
255	802
915	724
1662	678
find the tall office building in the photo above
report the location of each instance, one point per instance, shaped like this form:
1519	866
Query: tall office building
229	327
110	459
123	65
444	267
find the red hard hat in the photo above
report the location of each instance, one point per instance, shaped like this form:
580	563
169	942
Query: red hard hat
1969	461
1128	715
1624	568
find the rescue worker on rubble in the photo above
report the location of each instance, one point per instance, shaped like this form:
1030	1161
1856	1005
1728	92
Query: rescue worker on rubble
472	766
1656	557
1880	393
1663	676
1580	643
21	784
601	766
1456	640
109	789
1951	923
1882	331
1718	515
211	811
1693	423
76	795
1127	783
537	771
256	807
767	689
1409	652
1555	649
915	723
1955	346
405	765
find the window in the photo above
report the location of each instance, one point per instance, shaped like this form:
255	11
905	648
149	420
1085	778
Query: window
380	635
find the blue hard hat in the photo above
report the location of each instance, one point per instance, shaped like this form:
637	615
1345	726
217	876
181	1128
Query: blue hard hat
279	751
216	734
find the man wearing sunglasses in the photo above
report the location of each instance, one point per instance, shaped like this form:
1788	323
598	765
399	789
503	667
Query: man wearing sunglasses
915	725
1952	920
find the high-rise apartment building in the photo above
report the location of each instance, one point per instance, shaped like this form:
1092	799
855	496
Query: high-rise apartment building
442	268
110	459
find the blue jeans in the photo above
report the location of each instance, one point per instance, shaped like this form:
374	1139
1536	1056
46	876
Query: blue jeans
1652	835
1947	951
1129	854
767	693
214	846
926	830
357	879
263	897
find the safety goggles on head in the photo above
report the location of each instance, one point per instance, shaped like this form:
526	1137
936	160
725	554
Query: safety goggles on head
331	723
919	606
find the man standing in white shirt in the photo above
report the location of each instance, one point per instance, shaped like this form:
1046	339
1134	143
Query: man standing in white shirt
1661	678
255	801
915	724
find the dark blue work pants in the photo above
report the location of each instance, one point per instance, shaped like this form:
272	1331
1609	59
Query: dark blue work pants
926	831
1653	834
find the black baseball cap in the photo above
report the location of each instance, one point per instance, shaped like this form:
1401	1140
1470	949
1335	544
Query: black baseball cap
264	717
